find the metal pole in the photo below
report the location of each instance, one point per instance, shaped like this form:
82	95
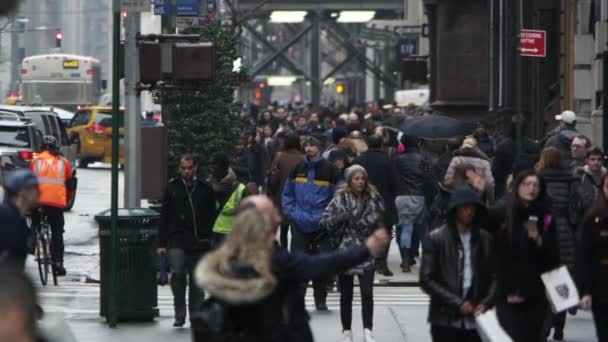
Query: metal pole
133	172
501	54
519	67
112	304
604	18
315	60
605	100
492	58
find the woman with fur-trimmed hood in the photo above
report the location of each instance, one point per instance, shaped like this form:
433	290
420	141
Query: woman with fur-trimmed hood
255	286
239	278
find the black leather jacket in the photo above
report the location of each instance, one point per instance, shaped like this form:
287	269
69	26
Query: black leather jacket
442	271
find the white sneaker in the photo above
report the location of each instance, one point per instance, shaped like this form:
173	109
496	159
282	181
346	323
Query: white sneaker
347	336
369	337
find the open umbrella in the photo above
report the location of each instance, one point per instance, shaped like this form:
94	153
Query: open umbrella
436	127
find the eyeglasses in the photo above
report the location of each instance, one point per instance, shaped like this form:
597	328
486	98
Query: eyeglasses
578	147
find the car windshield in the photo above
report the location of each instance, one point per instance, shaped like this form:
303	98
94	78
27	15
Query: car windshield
14	137
105	119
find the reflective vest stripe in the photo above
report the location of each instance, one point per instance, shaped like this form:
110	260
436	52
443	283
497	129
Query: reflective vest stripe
45	180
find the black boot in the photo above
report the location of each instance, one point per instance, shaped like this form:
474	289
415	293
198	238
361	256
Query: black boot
382	268
321	304
60	270
178	287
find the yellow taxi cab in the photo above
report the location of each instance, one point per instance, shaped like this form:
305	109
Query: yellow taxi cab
91	131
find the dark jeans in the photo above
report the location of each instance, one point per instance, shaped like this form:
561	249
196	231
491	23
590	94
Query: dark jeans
182	267
217	239
444	334
57	222
366	285
523	322
600	317
310	243
284	235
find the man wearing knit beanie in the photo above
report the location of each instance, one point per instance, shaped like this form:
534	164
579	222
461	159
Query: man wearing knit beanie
310	187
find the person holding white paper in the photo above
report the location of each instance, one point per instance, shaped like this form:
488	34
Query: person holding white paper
526	241
592	262
459	270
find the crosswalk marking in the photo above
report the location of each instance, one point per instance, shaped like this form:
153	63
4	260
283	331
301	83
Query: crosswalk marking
77	299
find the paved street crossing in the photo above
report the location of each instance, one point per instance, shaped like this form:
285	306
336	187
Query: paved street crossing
80	299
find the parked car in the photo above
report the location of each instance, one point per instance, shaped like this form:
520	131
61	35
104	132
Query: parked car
40	121
91	131
19	141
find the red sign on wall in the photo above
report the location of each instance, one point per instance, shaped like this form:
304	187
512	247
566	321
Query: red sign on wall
533	43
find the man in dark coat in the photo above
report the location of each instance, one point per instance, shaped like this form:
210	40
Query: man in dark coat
284	162
413	171
382	173
459	270
187	216
590	177
561	137
22	193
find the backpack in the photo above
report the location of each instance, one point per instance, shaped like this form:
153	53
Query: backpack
213	323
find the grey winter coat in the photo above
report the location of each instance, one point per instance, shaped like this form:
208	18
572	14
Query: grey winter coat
588	188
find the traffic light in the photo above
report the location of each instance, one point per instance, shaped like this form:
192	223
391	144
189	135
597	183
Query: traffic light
58	38
340	88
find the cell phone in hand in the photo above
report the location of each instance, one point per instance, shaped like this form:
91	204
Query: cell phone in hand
533	219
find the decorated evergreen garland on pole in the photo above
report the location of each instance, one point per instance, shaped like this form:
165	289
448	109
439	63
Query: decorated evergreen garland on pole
204	116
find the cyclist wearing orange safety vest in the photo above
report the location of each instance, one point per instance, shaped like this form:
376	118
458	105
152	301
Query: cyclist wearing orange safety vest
53	172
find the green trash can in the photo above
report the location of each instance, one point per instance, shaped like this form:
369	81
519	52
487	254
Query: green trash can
136	292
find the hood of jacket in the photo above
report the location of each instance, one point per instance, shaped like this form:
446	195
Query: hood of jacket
241	285
226	184
585	170
464	195
470	152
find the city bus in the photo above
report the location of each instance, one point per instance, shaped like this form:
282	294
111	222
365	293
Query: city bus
62	80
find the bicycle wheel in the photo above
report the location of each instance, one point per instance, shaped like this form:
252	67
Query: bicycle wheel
42	259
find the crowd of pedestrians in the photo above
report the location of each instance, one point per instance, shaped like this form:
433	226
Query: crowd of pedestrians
483	219
488	219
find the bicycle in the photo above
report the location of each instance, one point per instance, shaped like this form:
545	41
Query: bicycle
42	253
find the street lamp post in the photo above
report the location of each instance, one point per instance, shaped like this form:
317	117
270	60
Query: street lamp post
112	304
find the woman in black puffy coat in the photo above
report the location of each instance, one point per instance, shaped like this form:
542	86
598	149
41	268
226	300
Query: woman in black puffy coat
526	240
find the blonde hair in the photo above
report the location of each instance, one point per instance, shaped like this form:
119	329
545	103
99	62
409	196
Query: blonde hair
346	188
248	241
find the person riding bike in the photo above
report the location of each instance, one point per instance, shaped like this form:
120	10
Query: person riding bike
53	172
